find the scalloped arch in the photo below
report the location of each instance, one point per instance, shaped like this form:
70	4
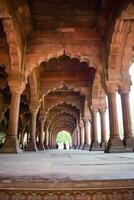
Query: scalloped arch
59	103
60	85
45	58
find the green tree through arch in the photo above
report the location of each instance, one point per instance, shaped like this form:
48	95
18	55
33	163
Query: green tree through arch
63	137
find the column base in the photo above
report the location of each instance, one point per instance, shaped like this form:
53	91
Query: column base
46	147
86	147
95	146
81	146
31	146
74	146
103	146
40	147
11	145
115	145
129	144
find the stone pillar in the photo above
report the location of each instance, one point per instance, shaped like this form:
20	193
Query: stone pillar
127	123
79	132
11	144
49	139
74	139
86	131
103	128
78	137
81	126
22	137
31	146
45	139
95	146
115	144
40	146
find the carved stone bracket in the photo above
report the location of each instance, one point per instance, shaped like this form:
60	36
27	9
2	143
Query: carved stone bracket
126	194
16	86
124	88
111	87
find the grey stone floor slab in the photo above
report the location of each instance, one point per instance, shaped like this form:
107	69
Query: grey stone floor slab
67	165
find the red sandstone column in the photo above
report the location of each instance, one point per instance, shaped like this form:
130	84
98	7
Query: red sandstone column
95	146
45	139
127	123
22	136
81	135
74	139
103	127
40	146
32	143
78	137
49	139
86	143
11	144
115	144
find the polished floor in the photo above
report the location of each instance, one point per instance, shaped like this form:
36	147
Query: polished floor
67	165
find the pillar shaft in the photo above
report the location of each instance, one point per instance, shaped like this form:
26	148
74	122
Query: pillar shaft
41	136
103	128
14	114
78	138
127	123
45	139
11	144
95	126
86	129
81	136
126	115
115	144
74	139
95	146
32	143
49	139
114	128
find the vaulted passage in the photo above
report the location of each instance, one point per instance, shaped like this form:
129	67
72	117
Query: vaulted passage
66	66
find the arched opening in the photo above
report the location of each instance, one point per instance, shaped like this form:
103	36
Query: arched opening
64	140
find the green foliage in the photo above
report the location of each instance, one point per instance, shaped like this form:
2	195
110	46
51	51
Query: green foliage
2	137
63	137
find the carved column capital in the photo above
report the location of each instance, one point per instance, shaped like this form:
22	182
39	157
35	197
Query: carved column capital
34	107
102	109
124	88
16	86
41	116
86	120
94	109
111	87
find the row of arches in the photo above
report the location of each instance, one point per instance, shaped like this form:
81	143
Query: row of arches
35	79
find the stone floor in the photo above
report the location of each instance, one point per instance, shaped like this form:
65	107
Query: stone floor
67	165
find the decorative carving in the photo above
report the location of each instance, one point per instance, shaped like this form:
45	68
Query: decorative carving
124	88
124	194
111	87
16	86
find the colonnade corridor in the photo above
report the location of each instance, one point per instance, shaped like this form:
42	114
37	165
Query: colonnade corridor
66	99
